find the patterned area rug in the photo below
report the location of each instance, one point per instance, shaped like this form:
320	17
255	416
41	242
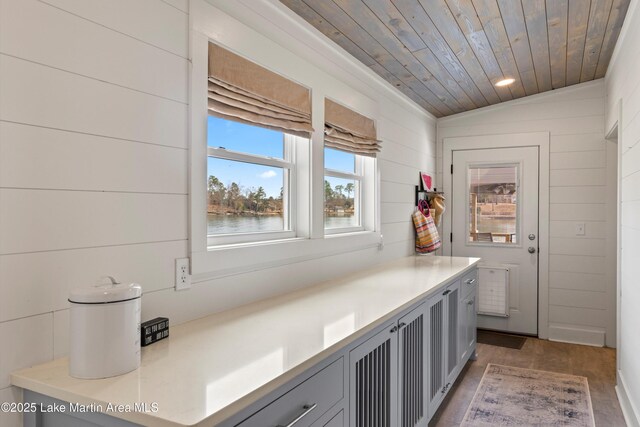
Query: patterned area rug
509	396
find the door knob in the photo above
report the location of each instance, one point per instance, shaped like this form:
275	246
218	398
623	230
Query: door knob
532	250
532	237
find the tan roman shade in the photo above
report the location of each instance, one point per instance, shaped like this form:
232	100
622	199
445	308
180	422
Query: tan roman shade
245	92
349	131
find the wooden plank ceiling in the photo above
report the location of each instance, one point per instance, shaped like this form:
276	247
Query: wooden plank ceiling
447	55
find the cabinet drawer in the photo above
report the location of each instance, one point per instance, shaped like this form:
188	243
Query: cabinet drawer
469	283
337	421
324	389
334	420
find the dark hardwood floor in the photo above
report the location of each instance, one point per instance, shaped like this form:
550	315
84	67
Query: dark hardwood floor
597	364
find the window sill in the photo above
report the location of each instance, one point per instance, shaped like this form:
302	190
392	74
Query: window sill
330	232
233	259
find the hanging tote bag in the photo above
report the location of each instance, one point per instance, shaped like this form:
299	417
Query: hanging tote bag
427	237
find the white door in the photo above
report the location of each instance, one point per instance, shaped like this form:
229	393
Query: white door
495	217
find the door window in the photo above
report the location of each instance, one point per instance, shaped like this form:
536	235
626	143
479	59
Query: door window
493	204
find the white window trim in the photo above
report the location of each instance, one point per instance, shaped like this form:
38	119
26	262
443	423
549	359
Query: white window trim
359	208
288	166
311	242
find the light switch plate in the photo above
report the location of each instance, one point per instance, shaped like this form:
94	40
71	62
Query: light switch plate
580	229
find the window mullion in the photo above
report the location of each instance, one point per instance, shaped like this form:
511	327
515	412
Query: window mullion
343	175
248	158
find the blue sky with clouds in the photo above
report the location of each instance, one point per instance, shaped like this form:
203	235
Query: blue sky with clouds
256	140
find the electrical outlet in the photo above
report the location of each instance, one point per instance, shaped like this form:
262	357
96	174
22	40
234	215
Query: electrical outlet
183	278
580	231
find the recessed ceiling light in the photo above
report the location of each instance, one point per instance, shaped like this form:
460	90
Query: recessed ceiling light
505	82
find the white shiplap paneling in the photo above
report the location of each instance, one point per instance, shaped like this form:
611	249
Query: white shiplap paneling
27	290
37	157
579	186
577	281
40	95
577	177
25	342
93	165
42	220
168	30
148	69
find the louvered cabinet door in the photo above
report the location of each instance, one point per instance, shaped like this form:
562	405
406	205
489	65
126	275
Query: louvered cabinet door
373	381
453	329
437	338
412	359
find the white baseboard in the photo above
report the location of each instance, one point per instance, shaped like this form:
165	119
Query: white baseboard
630	412
575	335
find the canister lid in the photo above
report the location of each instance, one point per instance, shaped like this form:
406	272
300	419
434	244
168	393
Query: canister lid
109	290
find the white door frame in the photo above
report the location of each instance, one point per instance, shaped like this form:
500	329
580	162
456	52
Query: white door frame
533	139
615	134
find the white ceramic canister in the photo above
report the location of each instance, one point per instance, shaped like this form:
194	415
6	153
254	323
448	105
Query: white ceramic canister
105	330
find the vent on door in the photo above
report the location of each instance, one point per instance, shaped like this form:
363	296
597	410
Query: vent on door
452	354
373	388
412	373
435	348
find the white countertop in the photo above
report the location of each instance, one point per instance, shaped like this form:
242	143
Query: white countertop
211	368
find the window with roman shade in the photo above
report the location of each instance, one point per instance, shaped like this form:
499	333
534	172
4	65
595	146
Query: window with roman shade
349	131
259	125
350	148
243	91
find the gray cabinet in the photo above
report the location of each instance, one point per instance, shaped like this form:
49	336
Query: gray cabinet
373	380
388	381
443	333
304	403
412	375
452	324
337	421
468	316
468	326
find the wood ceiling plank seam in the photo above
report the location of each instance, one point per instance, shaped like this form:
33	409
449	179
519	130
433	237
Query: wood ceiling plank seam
489	12
598	18
326	28
433	84
427	58
535	15
578	21
406	90
436	11
604	32
401	72
387	13
368	21
466	17
391	18
346	25
427	30
512	17
614	26
557	20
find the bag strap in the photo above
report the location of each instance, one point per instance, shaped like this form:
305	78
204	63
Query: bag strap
422	205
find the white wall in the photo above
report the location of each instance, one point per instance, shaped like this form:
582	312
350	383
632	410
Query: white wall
94	164
623	85
582	183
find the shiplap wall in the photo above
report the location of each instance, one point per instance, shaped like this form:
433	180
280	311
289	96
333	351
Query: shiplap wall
582	180
94	167
623	85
